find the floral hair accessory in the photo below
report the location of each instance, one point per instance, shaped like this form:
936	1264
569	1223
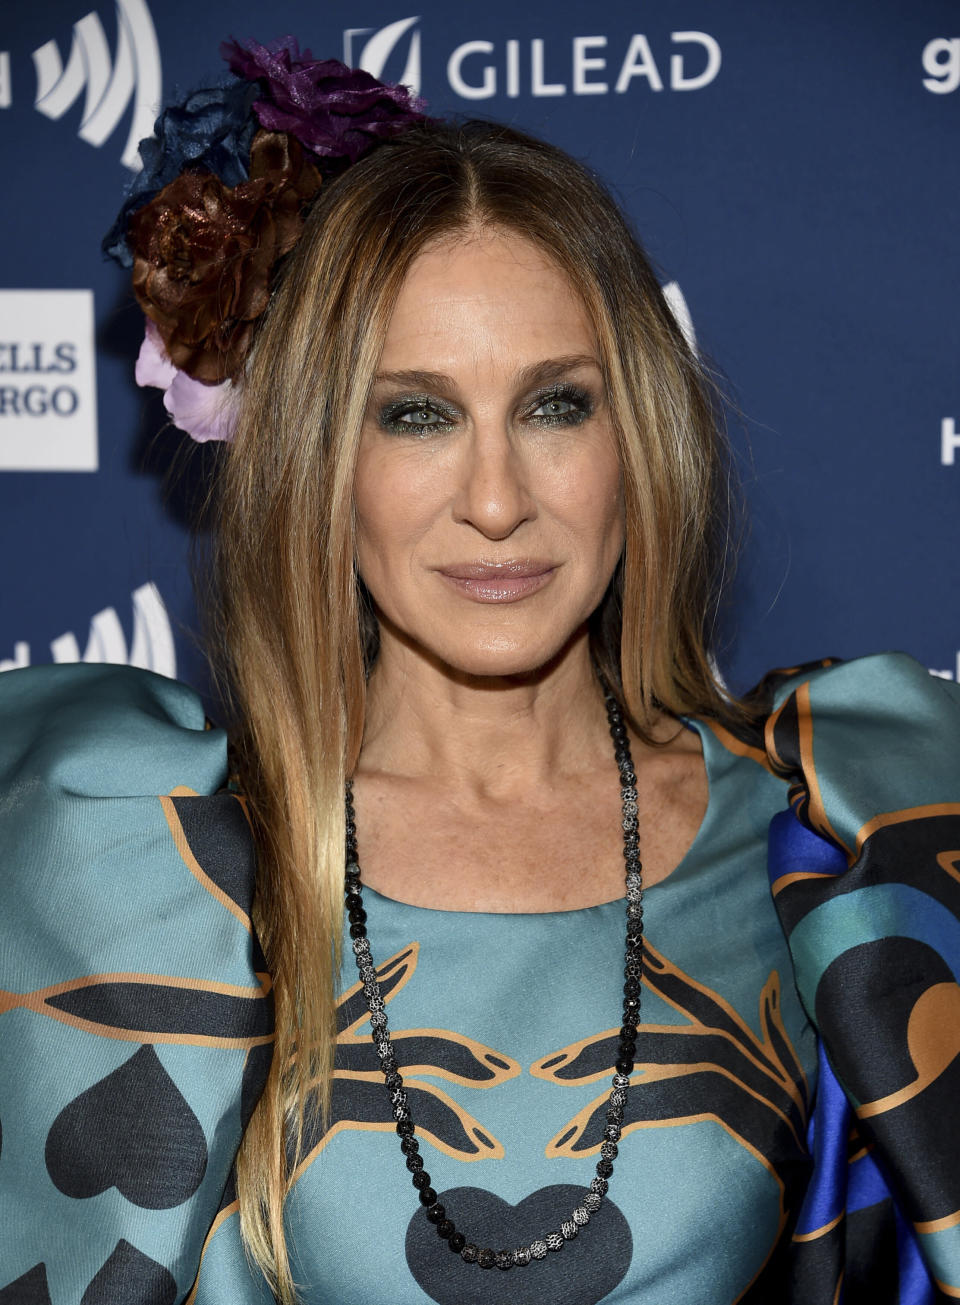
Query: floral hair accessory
226	183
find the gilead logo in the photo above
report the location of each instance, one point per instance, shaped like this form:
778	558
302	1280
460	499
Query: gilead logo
580	65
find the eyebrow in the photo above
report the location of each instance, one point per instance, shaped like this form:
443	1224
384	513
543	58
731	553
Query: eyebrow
539	373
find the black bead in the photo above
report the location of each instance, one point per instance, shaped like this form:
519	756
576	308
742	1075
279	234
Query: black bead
627	1050
409	1145
388	1063
627	1032
631	1005
634	943
414	1163
428	1196
486	1258
358	931
631	988
404	1127
357	916
352	901
604	1168
457	1242
436	1213
444	1228
624	1066
421	1179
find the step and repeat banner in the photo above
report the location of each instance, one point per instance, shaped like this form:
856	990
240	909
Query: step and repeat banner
793	169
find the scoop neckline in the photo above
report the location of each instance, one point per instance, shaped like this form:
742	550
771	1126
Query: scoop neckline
706	737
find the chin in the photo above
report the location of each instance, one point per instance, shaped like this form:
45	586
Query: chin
501	658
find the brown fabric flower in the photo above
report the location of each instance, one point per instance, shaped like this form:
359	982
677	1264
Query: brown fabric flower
204	254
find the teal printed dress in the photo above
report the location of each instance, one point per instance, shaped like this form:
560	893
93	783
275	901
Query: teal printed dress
792	1132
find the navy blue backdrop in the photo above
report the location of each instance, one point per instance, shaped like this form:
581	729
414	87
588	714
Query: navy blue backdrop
793	170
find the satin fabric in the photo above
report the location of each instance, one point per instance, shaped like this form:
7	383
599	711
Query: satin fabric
792	1125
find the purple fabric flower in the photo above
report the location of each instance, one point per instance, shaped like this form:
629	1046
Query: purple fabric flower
335	111
205	412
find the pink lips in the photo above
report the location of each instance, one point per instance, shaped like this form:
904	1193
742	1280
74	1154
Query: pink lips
498	582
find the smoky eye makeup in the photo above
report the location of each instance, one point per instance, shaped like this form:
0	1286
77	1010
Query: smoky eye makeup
415	414
563	404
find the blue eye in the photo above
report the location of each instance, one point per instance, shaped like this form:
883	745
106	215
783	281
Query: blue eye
564	405
414	416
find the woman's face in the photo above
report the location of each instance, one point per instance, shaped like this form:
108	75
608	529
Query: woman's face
488	497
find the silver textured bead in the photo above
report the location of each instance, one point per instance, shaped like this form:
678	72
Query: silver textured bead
599	1185
469	1253
630	807
554	1241
634	885
634	909
382	1047
538	1249
376	1004
378	1021
592	1202
608	1150
569	1229
628	794
361	947
621	1081
618	1099
522	1256
367	972
581	1215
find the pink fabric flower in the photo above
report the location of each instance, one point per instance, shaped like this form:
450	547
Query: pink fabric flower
205	412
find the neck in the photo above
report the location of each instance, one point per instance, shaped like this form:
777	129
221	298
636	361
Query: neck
485	733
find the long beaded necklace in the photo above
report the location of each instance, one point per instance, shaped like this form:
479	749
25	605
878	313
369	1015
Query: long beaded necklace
592	1198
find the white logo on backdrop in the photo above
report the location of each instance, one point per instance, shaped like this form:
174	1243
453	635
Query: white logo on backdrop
377	49
152	647
941	63
478	69
949	442
48	397
681	313
110	85
953	674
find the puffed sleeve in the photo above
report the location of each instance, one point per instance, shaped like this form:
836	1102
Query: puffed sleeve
865	874
135	1009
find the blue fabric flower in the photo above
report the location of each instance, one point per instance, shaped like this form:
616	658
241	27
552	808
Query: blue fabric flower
211	130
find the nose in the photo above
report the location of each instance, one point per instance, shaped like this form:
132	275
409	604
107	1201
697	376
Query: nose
493	494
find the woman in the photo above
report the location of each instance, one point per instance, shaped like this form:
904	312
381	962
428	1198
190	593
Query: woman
468	533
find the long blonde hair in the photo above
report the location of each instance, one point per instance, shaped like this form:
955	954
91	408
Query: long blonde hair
293	640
